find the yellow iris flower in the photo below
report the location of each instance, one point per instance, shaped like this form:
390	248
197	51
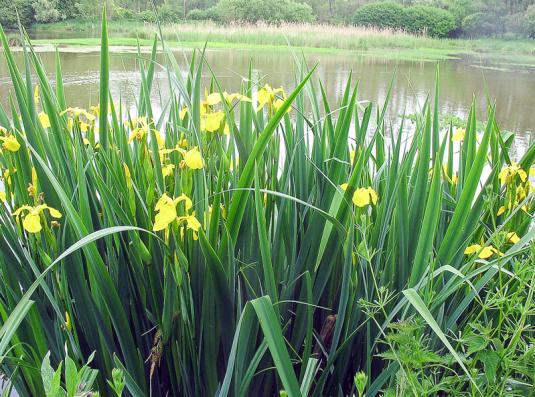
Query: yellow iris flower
482	252
211	122
512	237
193	159
230	98
31	216
166	212
271	97
44	119
10	143
364	196
3	197
167	170
191	222
508	173
459	135
139	133
77	112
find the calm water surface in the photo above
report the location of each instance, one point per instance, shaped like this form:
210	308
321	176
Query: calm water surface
511	86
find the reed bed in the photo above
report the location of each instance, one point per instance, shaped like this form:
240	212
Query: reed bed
308	36
258	243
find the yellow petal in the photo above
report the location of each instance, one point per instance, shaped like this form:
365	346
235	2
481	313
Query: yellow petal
523	175
352	154
10	143
167	170
502	176
54	213
159	138
187	201
472	249
212	121
278	103
193	223
164	200
361	197
165	217
513	237
32	223
213	99
18	211
193	159
264	97
36	95
486	252
234	163
68	323
459	135
373	195
183	112
44	120
3	197
344	186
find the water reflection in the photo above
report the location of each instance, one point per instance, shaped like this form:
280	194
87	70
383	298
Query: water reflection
511	87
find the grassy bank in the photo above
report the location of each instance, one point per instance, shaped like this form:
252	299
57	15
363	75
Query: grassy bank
363	41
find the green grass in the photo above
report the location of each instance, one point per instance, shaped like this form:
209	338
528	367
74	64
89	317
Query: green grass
307	242
326	38
130	44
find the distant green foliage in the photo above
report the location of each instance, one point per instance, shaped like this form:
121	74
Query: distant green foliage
529	25
170	13
388	14
437	18
264	10
8	13
198	14
433	21
47	11
481	24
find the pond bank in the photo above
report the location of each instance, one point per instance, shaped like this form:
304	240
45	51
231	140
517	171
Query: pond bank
309	38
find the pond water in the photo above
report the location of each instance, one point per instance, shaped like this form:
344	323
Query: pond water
511	86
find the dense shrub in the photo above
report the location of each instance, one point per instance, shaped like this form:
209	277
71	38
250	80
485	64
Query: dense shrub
8	13
529	23
482	24
47	11
170	13
264	10
382	15
431	20
123	13
416	19
203	15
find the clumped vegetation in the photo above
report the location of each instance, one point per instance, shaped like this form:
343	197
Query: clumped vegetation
416	19
258	242
438	18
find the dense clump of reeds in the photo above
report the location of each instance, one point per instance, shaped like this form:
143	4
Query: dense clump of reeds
257	242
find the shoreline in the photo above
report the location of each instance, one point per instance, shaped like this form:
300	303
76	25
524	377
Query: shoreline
82	36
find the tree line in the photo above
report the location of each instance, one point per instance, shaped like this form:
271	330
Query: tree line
441	18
